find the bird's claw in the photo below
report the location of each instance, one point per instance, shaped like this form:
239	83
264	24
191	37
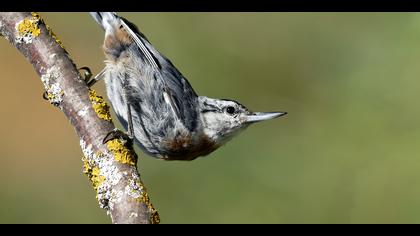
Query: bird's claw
45	96
118	134
87	73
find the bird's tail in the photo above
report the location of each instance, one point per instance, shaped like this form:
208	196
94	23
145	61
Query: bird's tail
105	19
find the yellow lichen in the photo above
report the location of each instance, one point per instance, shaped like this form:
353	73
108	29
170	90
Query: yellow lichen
54	36
154	217
86	167
99	106
93	174
53	97
99	154
35	15
96	178
144	198
50	32
29	27
121	153
50	96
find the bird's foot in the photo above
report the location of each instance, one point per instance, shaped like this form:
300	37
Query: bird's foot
118	134
87	75
45	95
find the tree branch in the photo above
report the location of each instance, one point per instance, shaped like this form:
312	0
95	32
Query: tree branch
111	167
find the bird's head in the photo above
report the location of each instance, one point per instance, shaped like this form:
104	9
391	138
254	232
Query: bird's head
222	119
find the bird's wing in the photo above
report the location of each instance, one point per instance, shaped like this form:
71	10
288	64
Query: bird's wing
140	43
178	93
154	63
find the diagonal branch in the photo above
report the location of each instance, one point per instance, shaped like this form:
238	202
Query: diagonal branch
111	167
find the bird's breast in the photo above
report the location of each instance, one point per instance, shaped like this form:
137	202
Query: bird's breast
186	147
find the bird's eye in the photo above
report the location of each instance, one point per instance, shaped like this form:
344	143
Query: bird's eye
230	110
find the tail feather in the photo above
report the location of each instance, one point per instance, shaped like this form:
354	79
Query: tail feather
105	19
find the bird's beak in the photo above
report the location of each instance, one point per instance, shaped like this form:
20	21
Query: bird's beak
260	116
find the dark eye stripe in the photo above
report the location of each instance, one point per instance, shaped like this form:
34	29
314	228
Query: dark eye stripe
208	110
210	105
236	102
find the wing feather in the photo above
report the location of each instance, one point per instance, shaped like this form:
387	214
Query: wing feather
155	65
138	40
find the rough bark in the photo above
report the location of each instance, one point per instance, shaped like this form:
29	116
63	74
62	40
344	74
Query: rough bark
111	167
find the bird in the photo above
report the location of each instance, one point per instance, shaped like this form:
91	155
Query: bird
156	104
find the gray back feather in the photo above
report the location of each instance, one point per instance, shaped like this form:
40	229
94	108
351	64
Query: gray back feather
182	98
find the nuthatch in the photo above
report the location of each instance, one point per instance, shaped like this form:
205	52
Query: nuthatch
157	105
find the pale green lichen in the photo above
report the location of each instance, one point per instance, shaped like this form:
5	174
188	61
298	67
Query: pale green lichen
54	91
105	175
55	94
92	164
28	29
83	111
121	153
133	215
100	106
1	29
136	190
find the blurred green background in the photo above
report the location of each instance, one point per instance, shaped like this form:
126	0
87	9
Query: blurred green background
347	152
